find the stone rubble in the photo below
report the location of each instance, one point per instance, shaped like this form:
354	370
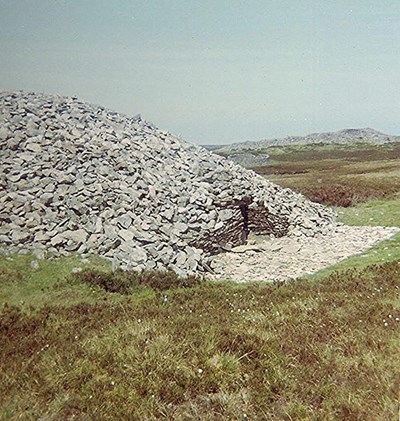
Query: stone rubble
247	159
80	178
286	258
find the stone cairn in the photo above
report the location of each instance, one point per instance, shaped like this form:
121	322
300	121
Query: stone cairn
80	178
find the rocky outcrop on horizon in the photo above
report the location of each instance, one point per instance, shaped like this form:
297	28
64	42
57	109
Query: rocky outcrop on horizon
80	178
345	136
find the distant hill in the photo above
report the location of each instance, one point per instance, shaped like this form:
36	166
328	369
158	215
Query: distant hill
211	147
344	136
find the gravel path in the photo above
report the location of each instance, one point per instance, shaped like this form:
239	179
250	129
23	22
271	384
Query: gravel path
288	257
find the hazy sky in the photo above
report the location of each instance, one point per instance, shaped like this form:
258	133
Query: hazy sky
213	71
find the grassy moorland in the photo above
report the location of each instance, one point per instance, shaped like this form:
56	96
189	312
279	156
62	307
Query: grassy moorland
102	346
322	350
337	175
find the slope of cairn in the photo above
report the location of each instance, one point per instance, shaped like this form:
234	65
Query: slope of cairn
79	178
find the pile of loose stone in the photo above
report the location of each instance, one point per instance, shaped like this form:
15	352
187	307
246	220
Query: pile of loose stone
279	259
80	178
248	159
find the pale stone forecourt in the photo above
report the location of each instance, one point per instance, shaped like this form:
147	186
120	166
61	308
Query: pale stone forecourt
79	178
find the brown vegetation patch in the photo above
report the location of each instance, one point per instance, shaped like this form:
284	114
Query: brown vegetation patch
349	192
124	282
338	177
352	153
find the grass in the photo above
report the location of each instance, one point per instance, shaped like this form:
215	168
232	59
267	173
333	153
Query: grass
374	212
22	285
371	213
301	350
128	282
337	175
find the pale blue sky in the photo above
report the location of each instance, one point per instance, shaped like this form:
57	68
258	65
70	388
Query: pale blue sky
213	71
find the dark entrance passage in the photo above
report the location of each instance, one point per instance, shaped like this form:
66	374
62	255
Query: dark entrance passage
248	216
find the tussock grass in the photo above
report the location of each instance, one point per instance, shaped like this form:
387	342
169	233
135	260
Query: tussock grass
301	350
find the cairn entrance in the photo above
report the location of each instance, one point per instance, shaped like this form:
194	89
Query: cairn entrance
249	216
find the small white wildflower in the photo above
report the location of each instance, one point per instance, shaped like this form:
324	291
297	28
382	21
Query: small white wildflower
112	382
390	316
386	324
200	371
139	320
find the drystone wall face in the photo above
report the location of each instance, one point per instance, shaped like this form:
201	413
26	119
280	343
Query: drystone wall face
79	178
247	216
